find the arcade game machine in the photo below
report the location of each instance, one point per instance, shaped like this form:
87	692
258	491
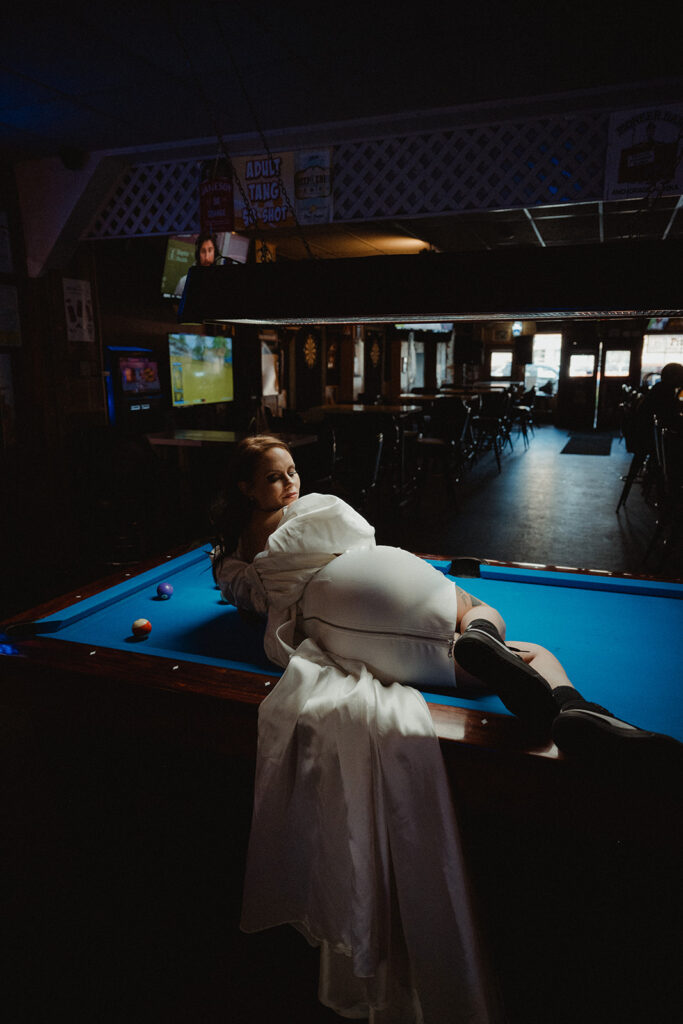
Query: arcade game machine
135	399
132	498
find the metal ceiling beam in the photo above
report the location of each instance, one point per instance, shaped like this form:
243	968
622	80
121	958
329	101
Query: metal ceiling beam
677	207
534	227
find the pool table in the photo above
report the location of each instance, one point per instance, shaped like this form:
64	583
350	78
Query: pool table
620	639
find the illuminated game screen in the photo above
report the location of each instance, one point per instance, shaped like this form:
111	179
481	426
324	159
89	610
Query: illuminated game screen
139	375
201	369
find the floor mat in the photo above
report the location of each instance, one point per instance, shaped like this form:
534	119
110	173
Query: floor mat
588	444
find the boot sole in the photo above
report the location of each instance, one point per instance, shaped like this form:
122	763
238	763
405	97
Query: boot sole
521	689
590	734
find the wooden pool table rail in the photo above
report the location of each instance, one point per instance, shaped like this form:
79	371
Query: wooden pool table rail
42	660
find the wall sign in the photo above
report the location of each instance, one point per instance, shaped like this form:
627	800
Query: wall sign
313	187
305	178
644	152
216	211
262	179
80	323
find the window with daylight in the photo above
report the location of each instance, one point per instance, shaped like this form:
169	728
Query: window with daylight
501	362
617	362
658	350
581	365
543	372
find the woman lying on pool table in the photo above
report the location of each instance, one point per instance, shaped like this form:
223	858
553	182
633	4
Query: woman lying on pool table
312	567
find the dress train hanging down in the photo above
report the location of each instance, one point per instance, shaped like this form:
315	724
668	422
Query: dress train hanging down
353	838
354	842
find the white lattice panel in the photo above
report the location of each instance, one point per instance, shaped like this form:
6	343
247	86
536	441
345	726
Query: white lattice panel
152	199
486	167
510	165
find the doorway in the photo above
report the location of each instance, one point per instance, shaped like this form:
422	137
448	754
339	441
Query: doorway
614	371
543	372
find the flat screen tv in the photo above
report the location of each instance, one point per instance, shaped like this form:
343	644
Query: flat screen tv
139	375
201	369
179	259
657	323
180	256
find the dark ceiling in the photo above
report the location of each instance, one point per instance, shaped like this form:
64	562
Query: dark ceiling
569	224
92	76
89	76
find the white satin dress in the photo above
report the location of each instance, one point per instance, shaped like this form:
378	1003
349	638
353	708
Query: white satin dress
353	838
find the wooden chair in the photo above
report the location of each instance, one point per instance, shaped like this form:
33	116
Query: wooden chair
357	470
319	461
491	425
522	414
637	430
449	447
669	490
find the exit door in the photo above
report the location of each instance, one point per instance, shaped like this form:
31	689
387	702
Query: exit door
590	387
578	389
615	371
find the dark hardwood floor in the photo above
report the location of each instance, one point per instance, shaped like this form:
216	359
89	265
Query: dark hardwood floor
542	507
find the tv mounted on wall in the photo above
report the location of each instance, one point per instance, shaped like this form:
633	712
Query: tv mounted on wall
201	369
179	259
180	256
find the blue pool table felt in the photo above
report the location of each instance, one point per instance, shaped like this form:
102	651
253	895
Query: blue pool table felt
621	641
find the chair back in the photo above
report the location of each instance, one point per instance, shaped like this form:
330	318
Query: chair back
495	403
357	473
320	464
445	418
457	420
669	452
634	421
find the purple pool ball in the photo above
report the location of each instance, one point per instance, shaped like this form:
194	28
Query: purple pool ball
165	590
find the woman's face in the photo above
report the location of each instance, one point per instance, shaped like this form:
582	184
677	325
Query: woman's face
275	483
207	254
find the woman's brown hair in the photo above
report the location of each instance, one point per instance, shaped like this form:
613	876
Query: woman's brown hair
231	510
